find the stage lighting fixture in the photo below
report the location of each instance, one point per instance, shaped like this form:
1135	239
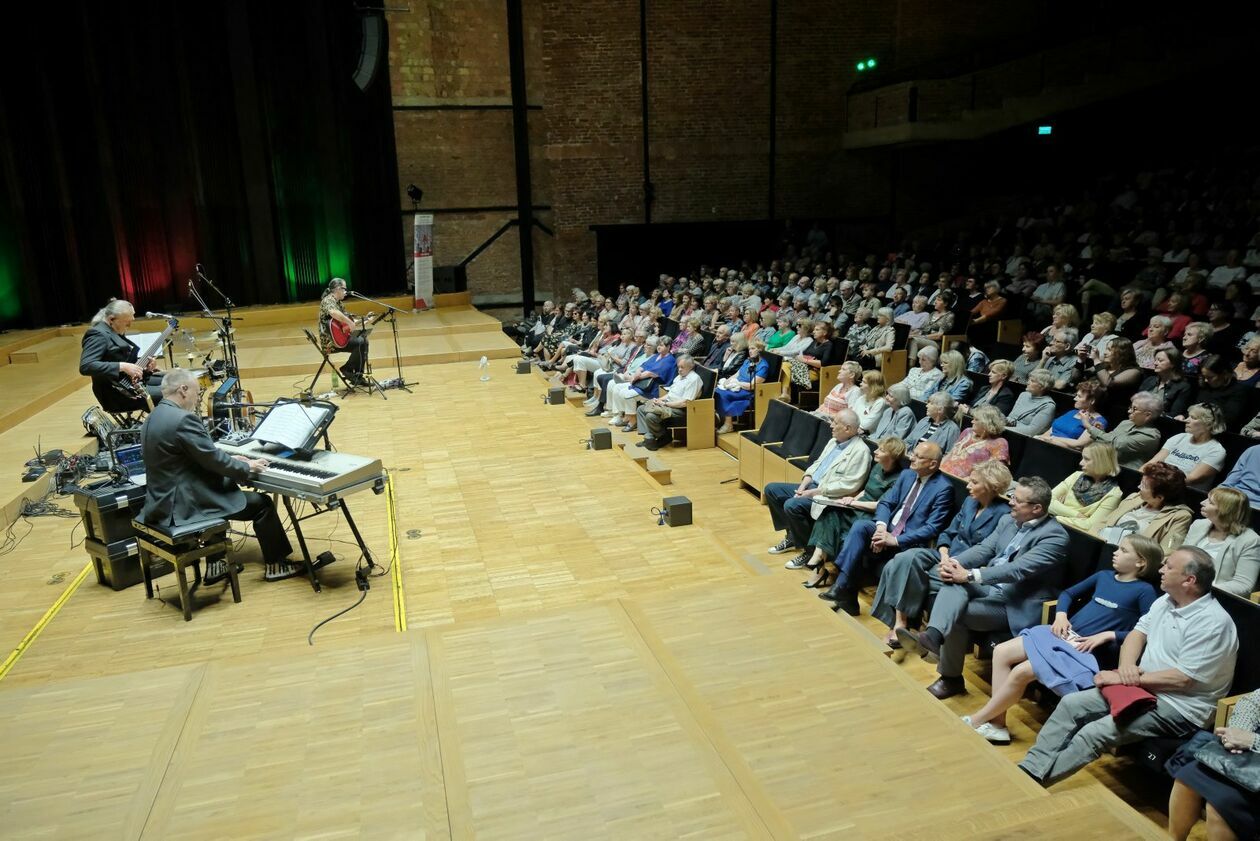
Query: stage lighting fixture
414	193
1044	130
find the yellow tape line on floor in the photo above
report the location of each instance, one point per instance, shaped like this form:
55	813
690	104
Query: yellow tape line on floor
29	639
395	564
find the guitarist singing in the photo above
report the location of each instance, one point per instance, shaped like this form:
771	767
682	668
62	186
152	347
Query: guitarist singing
330	310
109	358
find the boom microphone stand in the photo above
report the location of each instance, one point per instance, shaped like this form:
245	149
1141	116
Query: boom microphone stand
392	318
226	336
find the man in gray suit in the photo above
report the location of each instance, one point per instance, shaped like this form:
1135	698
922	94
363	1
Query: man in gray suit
998	584
189	479
108	355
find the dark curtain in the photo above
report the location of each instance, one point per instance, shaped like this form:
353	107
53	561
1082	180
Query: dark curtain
140	139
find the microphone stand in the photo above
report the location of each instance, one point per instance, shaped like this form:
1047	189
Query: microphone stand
392	318
226	337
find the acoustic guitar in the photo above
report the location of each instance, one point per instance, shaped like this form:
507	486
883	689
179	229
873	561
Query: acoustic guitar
341	334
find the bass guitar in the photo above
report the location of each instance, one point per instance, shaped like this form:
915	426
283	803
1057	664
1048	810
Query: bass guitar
341	334
130	387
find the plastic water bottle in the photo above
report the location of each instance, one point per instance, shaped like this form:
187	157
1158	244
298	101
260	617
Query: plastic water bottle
484	365
336	381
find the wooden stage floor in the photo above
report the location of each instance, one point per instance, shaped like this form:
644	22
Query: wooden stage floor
568	670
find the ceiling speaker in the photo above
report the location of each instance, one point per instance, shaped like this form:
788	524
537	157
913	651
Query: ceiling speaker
373	33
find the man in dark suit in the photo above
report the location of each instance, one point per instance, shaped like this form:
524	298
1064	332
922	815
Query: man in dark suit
189	479
108	355
910	514
721	341
998	585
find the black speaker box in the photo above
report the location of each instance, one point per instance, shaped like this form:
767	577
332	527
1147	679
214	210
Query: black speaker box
448	279
555	395
677	511
601	439
522	366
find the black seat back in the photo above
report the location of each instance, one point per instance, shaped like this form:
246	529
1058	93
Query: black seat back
901	336
1015	443
709	379
774	425
1050	462
820	442
1246	616
800	435
1082	560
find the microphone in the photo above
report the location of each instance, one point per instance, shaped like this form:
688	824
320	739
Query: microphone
354	294
158	315
199	269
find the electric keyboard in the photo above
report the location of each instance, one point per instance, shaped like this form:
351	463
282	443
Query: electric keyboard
324	476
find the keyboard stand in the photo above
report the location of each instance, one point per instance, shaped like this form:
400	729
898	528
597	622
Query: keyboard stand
332	505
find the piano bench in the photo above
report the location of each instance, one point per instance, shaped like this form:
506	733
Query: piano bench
163	549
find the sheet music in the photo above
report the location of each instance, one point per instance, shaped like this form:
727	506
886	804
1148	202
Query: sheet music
147	342
290	424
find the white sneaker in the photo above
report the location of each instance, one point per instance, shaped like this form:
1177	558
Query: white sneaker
605	414
616	420
996	735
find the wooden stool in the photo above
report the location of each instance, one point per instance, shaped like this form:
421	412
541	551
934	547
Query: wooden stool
180	547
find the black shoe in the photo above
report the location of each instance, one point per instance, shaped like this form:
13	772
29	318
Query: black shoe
782	547
948	687
846	600
833	593
927	642
650	444
798	562
824	579
594	413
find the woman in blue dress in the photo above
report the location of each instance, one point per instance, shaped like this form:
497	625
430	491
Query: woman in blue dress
1070	426
734	394
1064	656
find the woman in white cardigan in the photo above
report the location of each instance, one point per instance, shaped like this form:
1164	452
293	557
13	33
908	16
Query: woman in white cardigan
1225	534
868	404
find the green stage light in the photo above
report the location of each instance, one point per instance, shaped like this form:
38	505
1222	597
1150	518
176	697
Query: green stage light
870	63
861	65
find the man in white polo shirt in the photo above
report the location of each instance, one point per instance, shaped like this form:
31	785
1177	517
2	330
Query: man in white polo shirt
653	415
1182	651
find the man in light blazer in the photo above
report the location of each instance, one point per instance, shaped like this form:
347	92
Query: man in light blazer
910	514
839	472
996	585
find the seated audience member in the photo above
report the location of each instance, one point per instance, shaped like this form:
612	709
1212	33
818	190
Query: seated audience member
1175	308
1194	348
654	414
1196	452
911	577
1217	385
1225	330
1089	350
937	326
1058	358
752	323
804	338
1085	498
878	342
717	350
1247	371
767	319
991	306
978	443
869	403
998	394
1064	656
1155	341
1119	368
996	585
628	363
783	331
902	521
733	395
689	338
1154	510
1029	359
1182	651
917	315
835	521
1225	534
623	397
734	357
1233	810
1048	294
1135	439
898	418
938	425
1245	475
840	472
804	368
1033	411
1169	383
923	379
1129	319
862	324
955	379
845	389
1065	318
1071	425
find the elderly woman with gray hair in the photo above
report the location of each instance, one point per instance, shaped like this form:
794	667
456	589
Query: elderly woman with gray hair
938	425
898	418
1033	411
1155	341
923	379
878	342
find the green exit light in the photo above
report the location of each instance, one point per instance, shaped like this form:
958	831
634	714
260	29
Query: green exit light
1044	130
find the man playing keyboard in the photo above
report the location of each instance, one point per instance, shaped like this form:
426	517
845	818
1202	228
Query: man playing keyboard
189	479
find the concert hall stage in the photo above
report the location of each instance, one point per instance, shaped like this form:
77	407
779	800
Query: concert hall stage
540	661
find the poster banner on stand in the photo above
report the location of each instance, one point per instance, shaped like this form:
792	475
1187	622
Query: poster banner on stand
422	256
